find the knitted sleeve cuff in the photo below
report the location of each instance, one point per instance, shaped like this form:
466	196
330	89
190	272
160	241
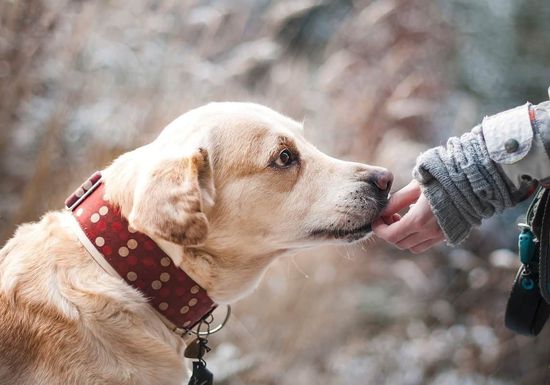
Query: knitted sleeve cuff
455	227
463	185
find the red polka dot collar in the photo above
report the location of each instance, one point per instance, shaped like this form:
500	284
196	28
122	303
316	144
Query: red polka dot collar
136	258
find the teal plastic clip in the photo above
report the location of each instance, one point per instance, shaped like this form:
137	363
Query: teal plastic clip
526	245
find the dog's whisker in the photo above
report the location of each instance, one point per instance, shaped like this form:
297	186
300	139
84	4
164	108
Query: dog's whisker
299	268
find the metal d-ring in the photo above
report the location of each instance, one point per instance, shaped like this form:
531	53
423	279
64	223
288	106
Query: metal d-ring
198	333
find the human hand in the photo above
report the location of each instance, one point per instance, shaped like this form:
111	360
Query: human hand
417	230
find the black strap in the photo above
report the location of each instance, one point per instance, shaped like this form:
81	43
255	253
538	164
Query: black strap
543	212
536	215
527	310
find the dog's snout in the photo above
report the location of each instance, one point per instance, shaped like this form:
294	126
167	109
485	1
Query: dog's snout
381	179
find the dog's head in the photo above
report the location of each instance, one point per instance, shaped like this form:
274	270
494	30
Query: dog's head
241	177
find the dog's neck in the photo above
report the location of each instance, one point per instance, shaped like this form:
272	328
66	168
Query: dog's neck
227	276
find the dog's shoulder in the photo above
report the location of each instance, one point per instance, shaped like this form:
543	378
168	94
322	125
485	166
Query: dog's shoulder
63	316
35	250
33	330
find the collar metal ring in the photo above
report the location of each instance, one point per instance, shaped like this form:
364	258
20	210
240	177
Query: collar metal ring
198	333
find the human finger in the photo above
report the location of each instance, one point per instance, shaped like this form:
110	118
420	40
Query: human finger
390	219
402	198
415	239
394	232
426	245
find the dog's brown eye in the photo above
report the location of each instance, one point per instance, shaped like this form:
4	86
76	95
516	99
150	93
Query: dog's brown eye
285	158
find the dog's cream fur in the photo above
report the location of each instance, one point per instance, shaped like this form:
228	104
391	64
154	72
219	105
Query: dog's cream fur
211	192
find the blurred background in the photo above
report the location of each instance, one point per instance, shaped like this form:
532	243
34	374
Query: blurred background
375	81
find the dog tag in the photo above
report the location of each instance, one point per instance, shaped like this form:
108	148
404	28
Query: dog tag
201	375
194	350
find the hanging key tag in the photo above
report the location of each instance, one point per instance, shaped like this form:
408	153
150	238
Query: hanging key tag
201	375
197	349
194	350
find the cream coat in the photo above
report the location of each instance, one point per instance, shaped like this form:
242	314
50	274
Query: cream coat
214	192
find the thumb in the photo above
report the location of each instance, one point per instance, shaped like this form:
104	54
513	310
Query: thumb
403	198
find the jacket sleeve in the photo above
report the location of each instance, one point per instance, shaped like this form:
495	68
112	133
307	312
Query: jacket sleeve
486	170
534	163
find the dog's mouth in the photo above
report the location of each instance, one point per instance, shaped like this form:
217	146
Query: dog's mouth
350	235
355	232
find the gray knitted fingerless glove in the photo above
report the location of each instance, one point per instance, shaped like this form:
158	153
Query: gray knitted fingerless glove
463	185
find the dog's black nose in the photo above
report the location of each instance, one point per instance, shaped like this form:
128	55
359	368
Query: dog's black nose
381	179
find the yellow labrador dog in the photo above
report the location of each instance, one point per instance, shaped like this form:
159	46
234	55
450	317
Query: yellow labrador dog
223	191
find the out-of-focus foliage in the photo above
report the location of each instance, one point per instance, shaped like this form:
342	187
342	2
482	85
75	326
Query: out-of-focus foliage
502	50
375	81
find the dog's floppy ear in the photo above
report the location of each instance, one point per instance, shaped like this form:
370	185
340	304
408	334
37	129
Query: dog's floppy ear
171	197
